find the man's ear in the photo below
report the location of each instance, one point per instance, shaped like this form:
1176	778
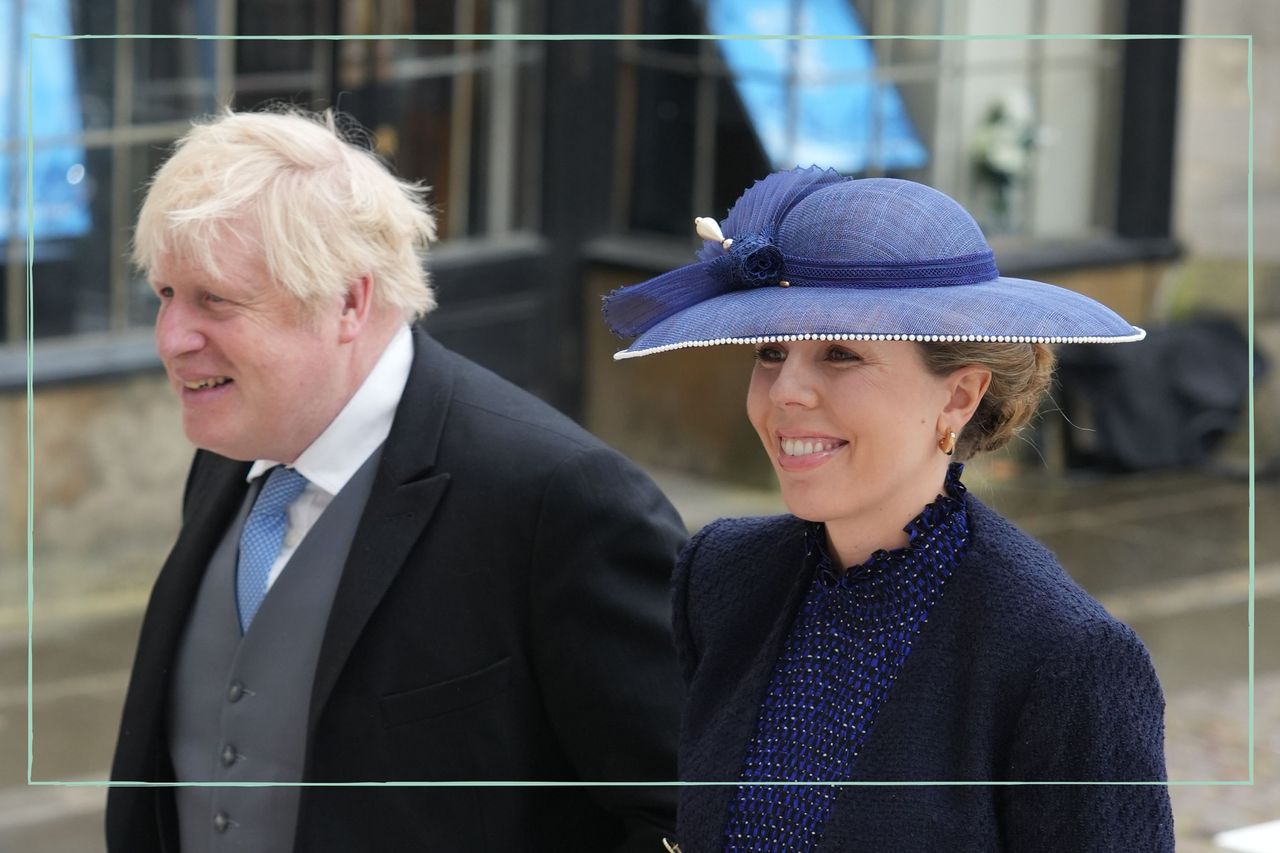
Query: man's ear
966	386
356	306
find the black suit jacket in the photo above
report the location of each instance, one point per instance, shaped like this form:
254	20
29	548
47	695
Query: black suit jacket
502	615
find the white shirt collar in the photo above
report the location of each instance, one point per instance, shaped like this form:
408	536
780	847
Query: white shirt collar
362	425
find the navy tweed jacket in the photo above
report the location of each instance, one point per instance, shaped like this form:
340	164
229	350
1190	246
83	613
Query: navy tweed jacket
1017	676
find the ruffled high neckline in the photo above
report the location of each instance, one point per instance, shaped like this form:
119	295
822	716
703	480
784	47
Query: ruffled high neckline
944	517
843	654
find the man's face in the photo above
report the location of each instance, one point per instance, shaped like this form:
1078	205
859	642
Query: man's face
258	377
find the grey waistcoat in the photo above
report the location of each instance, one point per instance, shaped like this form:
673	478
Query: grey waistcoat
239	707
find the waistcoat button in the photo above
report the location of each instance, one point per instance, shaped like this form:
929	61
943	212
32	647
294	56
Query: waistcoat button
228	755
235	691
221	821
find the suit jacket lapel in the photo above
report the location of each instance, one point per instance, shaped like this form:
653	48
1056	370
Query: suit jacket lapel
406	491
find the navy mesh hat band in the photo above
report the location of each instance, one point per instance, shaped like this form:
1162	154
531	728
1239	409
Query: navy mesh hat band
634	310
965	269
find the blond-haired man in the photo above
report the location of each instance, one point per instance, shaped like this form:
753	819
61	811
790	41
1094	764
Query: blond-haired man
393	565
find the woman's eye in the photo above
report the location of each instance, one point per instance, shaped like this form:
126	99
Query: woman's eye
839	354
770	355
211	297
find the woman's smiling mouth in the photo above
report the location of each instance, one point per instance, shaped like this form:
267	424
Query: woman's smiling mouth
806	447
802	452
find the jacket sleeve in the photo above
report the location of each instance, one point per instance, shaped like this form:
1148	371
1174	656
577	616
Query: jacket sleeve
686	648
1094	714
606	542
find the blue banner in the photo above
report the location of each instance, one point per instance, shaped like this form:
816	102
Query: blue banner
814	101
60	179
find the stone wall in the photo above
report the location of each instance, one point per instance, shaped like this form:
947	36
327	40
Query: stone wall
1211	183
110	462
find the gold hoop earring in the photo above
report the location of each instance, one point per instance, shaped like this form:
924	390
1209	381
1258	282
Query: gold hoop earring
947	444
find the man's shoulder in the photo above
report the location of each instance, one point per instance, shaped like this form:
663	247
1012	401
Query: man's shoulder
483	400
510	438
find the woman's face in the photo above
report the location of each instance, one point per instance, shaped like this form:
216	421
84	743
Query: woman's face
852	428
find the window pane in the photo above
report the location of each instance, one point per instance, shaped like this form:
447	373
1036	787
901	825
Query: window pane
70	273
663	16
95	89
143	160
276	18
433	109
415	117
739	157
1073	157
173	79
662	165
527	184
920	101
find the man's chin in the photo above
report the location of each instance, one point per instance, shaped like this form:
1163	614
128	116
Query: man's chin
221	445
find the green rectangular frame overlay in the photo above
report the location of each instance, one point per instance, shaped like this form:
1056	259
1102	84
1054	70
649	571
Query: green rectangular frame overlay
32	37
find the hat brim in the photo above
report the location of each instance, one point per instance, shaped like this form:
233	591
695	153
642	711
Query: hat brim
1000	310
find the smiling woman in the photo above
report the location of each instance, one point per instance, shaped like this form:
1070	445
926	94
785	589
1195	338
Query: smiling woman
892	629
850	428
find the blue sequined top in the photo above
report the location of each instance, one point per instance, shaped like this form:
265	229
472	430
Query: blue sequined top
850	640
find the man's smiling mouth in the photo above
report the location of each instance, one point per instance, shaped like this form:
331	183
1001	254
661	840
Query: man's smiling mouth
211	382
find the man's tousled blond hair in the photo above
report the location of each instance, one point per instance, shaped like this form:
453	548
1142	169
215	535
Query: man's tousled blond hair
321	211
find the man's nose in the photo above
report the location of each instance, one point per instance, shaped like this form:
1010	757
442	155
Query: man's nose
177	333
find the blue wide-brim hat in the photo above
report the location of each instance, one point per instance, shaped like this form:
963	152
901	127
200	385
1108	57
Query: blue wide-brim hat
810	254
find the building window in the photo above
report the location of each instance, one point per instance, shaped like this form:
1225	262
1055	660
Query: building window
462	116
1020	132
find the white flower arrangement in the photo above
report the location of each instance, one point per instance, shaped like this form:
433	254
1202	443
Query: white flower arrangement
1002	151
1002	144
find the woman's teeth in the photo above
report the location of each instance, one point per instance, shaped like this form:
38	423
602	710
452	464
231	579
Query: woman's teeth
804	447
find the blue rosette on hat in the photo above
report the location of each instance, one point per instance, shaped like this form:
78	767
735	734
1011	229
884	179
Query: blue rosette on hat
810	254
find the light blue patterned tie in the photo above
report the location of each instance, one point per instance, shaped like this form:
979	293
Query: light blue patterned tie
262	537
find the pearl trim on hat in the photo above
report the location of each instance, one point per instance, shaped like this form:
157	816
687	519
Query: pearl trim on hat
996	339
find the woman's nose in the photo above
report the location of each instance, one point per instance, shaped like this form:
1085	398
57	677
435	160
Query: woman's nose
794	385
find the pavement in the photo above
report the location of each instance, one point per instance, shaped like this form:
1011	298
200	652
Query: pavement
1168	552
